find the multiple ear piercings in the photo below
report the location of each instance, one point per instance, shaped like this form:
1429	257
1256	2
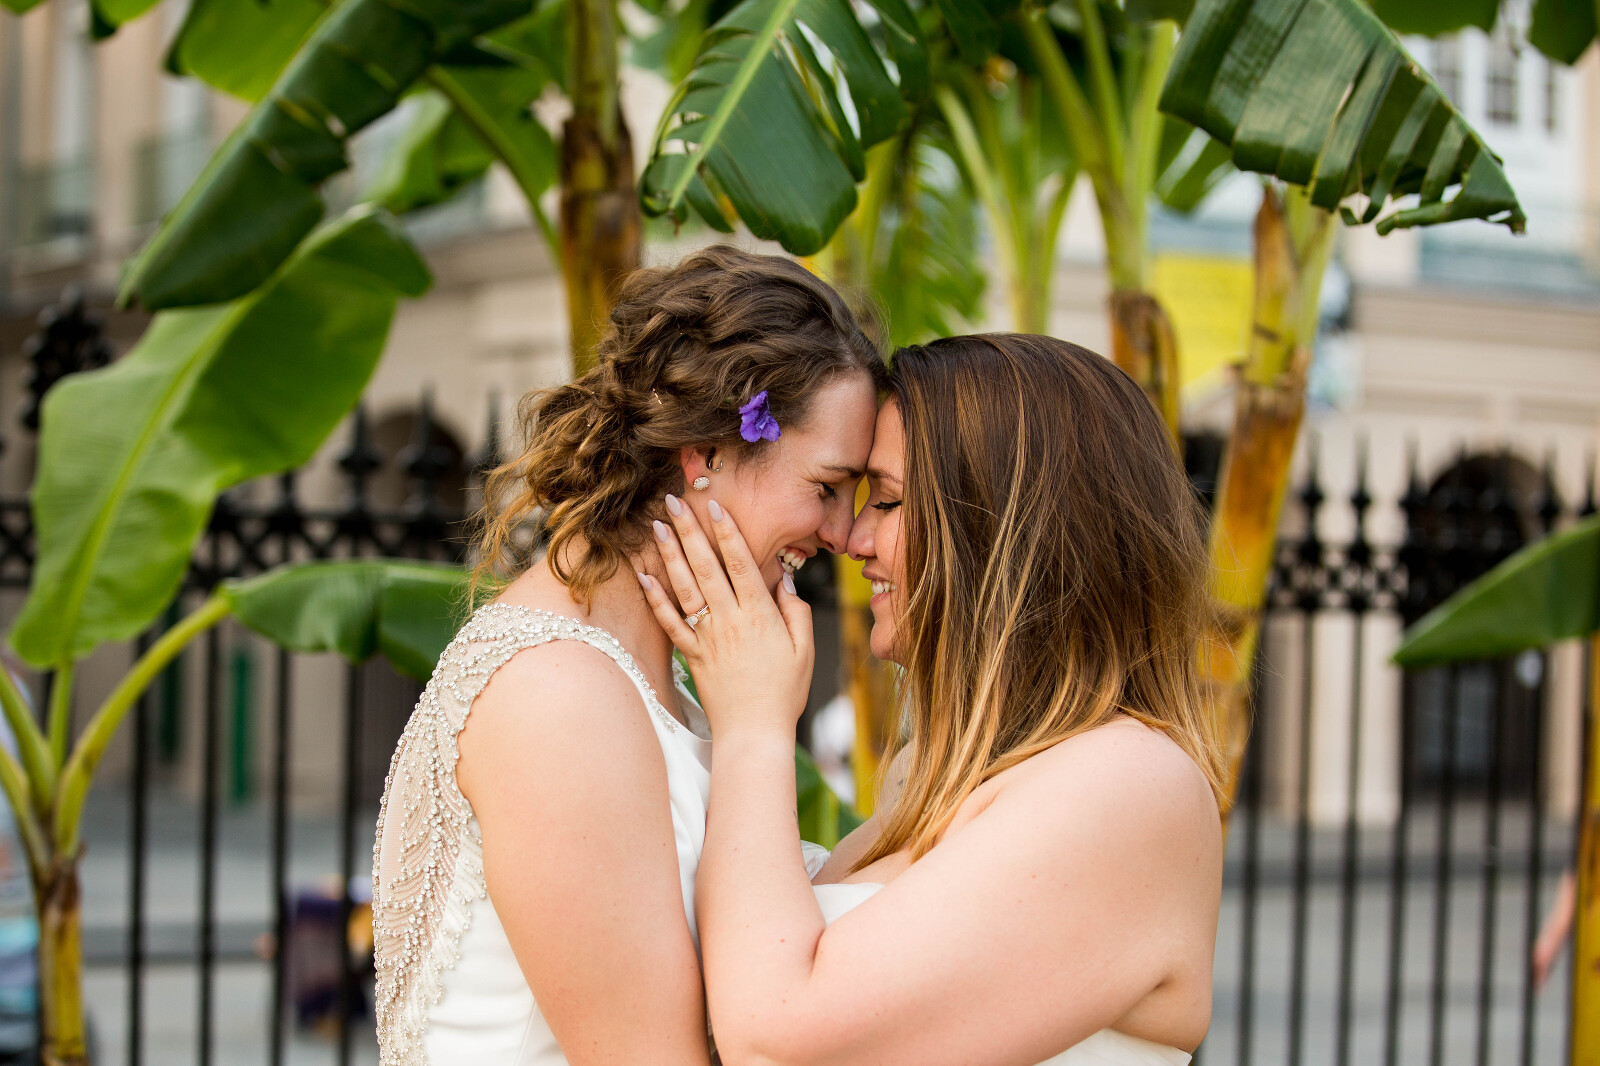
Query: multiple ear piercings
703	482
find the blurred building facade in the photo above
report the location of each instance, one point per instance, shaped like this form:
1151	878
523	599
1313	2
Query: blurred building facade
1453	343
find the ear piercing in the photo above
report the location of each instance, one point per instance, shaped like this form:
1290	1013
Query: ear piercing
702	482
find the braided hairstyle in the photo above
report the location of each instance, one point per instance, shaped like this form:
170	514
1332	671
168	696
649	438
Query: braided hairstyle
686	346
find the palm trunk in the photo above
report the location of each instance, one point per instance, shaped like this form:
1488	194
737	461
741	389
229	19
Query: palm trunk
1293	242
61	966
1586	920
1143	344
600	237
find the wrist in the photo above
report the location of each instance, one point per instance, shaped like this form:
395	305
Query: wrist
752	741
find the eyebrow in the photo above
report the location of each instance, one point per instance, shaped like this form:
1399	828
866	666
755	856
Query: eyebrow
882	475
842	470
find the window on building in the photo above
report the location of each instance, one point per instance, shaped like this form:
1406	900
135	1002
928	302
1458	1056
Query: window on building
1447	67
1502	106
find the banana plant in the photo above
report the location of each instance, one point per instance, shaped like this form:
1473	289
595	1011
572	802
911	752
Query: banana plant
1342	139
131	460
317	72
1544	594
1561	29
773	122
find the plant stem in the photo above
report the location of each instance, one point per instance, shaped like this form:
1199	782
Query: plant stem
79	770
62	1038
493	135
60	719
41	770
1108	101
16	786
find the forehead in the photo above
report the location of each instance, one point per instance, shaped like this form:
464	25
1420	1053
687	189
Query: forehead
888	443
838	432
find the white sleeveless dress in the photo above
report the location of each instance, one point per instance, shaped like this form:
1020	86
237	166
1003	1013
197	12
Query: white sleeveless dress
449	990
1105	1048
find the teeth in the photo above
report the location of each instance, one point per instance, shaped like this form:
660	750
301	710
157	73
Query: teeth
882	586
792	560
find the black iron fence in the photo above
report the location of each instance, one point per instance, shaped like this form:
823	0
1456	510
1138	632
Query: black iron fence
1354	929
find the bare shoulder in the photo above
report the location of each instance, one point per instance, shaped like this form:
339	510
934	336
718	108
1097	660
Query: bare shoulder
1128	783
557	708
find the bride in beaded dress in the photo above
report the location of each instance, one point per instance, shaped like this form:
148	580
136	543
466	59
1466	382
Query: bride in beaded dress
1041	880
534	868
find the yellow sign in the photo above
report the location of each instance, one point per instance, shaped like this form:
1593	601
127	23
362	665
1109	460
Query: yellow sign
1208	299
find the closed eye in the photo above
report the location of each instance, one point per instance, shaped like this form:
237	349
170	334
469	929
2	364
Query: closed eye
887	505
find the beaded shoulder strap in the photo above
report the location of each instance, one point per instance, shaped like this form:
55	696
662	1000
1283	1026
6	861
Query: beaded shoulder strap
427	858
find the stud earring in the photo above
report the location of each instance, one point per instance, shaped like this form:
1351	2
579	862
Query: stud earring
702	482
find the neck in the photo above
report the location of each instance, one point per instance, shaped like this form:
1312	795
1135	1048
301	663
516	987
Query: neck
618	606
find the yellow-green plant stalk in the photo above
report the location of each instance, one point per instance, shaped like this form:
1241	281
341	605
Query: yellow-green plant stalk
1293	242
46	792
1586	920
1116	132
600	234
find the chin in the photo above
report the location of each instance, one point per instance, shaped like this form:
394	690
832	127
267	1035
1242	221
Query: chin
881	644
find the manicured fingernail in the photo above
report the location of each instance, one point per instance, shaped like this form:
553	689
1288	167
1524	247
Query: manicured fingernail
663	534
674	505
788	582
716	510
643	580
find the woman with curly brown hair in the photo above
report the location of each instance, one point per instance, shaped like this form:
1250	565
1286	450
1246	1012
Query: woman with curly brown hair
535	861
1041	880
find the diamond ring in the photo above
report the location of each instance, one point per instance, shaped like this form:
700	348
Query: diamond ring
694	619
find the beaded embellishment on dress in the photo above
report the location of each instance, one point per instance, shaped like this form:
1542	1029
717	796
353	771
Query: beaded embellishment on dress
427	858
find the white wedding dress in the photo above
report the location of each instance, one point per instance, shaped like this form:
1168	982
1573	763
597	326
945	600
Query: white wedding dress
1105	1048
449	990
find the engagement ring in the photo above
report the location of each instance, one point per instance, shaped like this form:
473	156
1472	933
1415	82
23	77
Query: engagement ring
694	619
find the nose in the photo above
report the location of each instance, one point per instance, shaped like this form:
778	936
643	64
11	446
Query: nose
835	530
860	546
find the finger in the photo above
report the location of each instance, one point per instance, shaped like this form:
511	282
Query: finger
796	618
708	573
742	569
684	585
666	613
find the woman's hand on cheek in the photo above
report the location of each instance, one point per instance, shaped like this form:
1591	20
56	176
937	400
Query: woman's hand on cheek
751	656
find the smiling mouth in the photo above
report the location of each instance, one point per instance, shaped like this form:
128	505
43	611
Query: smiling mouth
880	587
791	560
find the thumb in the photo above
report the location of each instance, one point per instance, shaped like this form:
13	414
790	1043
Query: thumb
796	613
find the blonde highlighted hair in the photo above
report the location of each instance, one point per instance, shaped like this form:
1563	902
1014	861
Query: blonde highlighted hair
1055	569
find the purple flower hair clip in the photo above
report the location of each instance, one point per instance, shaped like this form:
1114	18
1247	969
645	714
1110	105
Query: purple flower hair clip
756	421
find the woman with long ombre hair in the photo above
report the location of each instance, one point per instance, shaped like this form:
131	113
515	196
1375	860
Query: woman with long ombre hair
1041	880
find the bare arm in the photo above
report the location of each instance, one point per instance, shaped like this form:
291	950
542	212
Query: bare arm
1048	916
564	771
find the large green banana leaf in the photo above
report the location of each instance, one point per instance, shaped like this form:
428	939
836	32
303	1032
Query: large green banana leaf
1561	29
931	280
1546	592
241	46
132	457
1190	163
258	196
776	116
1321	94
357	608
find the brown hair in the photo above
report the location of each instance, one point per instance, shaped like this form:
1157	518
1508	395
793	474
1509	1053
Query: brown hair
1055	568
686	347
